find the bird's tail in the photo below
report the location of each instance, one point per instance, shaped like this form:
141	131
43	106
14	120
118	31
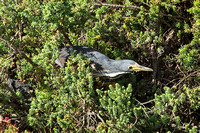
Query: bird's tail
61	61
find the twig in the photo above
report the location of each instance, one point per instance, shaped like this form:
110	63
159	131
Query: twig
169	81
138	40
12	47
84	112
135	120
181	70
138	129
11	55
142	107
184	78
101	119
20	28
91	116
152	100
14	36
145	4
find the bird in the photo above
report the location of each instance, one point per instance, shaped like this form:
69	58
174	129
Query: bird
102	65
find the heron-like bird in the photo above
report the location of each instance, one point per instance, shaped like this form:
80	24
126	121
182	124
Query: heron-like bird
102	65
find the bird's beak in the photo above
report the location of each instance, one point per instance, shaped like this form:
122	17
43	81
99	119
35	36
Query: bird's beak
140	68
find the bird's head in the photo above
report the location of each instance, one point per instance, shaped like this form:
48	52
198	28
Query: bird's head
129	66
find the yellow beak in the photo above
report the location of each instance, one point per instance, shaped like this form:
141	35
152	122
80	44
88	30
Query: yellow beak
140	68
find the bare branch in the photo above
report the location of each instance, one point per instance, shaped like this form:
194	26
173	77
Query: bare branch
148	101
184	78
142	107
20	28
101	119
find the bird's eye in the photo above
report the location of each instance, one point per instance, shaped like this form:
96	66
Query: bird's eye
130	67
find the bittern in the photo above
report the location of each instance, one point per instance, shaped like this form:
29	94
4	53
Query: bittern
102	65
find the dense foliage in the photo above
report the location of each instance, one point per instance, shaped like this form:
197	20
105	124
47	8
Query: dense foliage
161	34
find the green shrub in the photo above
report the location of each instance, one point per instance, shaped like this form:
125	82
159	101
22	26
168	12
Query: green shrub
65	99
160	34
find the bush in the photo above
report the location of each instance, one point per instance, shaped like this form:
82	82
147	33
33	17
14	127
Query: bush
163	35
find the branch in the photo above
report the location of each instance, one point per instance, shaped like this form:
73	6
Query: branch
117	6
19	52
142	107
184	78
65	35
101	119
20	28
148	101
12	47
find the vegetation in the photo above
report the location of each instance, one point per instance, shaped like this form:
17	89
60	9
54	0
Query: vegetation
161	34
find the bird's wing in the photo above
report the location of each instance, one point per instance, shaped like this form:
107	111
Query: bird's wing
95	57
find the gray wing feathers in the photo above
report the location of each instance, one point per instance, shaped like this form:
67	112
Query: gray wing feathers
94	56
58	62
